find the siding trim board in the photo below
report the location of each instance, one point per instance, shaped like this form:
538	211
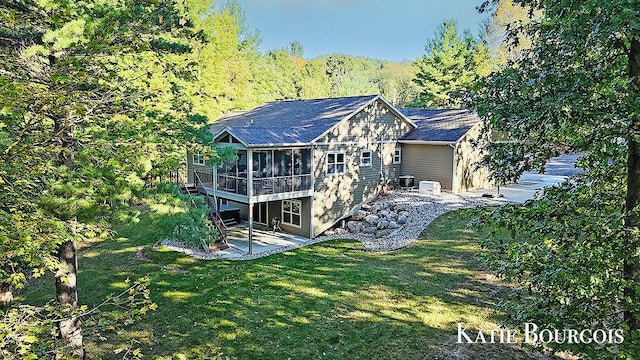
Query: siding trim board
230	133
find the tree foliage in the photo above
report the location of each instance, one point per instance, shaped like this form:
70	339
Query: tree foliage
506	21
95	100
450	67
575	250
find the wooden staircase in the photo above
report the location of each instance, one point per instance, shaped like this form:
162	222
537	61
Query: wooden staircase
229	222
197	189
188	189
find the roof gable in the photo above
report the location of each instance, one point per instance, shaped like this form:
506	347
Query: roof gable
439	125
290	122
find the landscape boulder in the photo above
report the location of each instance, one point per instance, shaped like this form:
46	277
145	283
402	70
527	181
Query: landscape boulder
392	215
360	215
383	224
372	219
383	233
370	230
354	226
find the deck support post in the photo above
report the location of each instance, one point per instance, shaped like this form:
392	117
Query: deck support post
250	227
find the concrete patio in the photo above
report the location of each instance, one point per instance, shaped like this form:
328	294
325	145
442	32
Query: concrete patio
263	240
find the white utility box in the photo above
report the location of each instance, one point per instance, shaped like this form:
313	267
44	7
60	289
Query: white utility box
429	187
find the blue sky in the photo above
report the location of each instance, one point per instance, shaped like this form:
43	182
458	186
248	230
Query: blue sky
382	29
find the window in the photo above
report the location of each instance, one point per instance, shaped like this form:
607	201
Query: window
292	212
198	159
365	158
335	163
397	155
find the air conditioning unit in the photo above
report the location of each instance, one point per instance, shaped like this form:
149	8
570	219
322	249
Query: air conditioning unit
407	181
429	187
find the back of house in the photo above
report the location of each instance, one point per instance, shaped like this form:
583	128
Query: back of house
307	164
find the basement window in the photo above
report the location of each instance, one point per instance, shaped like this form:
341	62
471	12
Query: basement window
292	212
397	155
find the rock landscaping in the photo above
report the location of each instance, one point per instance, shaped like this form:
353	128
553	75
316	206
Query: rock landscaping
387	223
393	221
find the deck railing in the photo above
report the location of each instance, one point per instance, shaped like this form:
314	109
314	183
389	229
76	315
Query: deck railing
203	178
232	184
281	184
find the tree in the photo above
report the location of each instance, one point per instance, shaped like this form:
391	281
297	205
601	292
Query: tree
224	76
450	67
313	80
94	99
575	251
296	49
350	76
395	82
507	20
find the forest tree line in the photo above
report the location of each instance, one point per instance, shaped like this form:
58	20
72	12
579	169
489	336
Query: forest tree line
235	75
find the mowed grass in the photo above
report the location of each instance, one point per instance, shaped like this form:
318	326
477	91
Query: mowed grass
333	300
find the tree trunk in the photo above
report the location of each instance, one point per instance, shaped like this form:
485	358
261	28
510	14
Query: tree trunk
632	205
69	329
66	293
6	295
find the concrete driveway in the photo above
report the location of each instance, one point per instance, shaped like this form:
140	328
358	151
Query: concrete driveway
557	170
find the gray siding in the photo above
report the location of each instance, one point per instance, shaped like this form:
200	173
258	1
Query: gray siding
190	165
375	128
274	209
429	163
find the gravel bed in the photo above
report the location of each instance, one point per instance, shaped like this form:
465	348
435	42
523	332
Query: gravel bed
422	208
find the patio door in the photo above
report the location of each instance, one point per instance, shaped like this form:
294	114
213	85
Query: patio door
260	213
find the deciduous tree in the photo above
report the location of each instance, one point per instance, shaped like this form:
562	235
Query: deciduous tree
576	250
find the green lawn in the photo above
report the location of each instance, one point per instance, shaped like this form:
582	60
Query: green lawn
329	301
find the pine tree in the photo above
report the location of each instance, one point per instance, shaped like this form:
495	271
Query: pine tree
94	100
449	68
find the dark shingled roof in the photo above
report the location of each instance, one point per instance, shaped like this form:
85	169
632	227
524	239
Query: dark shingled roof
289	122
439	124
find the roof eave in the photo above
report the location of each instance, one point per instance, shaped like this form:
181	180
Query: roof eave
426	142
275	145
